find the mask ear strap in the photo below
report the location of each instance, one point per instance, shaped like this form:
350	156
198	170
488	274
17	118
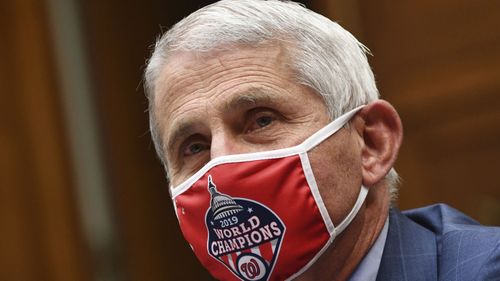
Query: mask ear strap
354	211
329	129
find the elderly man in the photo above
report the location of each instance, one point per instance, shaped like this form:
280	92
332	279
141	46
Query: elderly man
279	154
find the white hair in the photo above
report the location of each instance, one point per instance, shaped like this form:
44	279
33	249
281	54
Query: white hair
323	55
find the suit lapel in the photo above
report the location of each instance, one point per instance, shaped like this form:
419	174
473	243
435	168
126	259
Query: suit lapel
409	252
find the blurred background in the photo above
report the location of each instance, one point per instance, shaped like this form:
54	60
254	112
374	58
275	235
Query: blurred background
82	195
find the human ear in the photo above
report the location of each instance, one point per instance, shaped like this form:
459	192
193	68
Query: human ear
381	131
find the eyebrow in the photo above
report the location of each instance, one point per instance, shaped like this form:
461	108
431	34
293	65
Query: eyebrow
250	97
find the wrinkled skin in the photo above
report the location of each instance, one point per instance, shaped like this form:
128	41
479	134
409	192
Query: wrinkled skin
246	100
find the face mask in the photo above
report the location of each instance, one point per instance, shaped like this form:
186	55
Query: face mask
259	216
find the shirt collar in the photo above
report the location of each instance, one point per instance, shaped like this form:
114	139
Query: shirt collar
367	269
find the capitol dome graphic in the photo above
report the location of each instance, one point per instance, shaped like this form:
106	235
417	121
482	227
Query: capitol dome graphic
243	234
222	205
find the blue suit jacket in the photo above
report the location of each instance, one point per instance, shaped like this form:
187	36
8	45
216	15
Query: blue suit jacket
439	243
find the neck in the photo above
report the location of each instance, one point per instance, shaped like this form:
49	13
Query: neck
340	260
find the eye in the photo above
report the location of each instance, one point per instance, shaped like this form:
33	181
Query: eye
260	120
263	121
195	148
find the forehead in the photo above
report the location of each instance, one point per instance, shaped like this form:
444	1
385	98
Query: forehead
193	86
187	71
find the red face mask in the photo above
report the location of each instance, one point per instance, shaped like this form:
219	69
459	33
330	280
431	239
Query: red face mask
259	216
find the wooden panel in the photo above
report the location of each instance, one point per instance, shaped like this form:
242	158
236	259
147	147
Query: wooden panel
118	35
40	233
345	13
438	63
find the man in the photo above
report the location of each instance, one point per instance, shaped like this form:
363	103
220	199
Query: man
279	154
